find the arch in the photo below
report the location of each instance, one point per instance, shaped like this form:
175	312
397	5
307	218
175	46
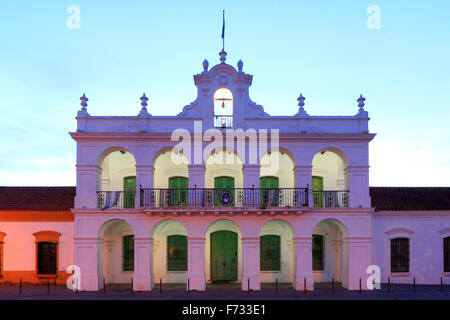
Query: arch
286	232
163	150
166	167
335	150
220	165
330	164
224	149
109	150
114	252
444	232
222	225
281	150
332	249
280	165
159	257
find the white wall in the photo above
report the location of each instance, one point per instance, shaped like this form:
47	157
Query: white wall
426	231
167	165
115	168
330	167
278	164
219	165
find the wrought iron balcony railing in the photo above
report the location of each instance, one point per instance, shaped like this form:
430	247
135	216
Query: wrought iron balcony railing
330	199
230	197
223	121
116	199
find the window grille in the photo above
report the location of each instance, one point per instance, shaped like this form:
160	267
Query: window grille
318	252
128	253
447	254
177	253
47	257
270	253
400	255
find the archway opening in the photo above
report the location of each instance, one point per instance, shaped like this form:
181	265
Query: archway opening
170	252
115	253
223	108
170	180
330	253
223	252
116	183
329	180
277	252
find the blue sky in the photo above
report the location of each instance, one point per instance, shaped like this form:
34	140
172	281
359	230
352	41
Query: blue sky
320	48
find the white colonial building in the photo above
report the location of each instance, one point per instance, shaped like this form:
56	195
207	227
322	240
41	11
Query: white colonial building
225	192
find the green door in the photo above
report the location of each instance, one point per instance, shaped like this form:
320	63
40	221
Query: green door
178	192
269	191
223	256
129	188
317	188
222	184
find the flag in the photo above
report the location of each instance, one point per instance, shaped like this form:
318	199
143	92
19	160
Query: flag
223	26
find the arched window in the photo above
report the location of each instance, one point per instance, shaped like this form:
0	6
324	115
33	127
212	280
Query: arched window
318	252
270	254
399	255
128	253
447	254
176	253
223	108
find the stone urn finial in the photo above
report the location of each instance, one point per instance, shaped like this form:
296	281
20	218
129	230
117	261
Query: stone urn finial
84	101
223	56
361	103
301	101
144	100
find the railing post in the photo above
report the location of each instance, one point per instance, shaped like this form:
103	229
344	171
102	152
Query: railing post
332	285
20	286
48	286
389	284
160	285
442	284
104	285
276	286
414	284
304	285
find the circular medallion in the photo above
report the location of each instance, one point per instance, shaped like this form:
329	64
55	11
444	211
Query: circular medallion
226	198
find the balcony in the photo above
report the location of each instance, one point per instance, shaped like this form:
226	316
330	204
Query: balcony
203	198
330	199
233	197
223	121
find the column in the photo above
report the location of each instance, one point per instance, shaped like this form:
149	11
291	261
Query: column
86	254
196	264
87	178
251	193
358	184
144	180
359	251
142	279
303	179
196	184
250	264
303	264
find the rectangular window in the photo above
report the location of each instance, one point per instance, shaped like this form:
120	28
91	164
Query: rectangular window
47	258
128	253
269	256
317	252
447	254
400	255
177	253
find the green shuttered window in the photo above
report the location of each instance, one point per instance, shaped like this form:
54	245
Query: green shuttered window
177	253
318	252
128	253
270	255
400	255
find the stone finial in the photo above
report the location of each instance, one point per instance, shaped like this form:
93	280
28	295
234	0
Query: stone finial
144	100
240	65
361	103
205	66
301	101
223	56
84	101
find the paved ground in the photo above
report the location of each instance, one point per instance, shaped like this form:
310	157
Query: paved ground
225	292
